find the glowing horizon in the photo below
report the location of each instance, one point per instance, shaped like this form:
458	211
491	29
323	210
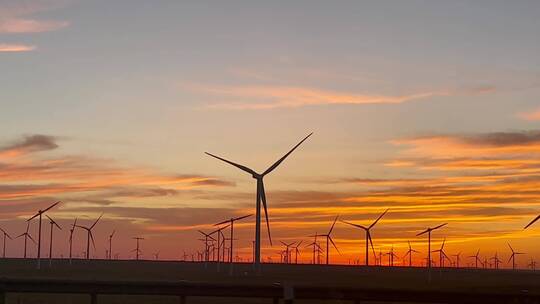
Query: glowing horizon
421	113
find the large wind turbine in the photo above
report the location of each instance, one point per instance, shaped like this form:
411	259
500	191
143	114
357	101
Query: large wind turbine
53	223
368	234
89	236
287	251
6	235
39	214
261	196
26	237
428	231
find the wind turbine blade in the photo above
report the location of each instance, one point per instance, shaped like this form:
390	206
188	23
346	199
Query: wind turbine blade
298	245
243	168
425	231
372	247
380	216
51	206
437	227
444	241
242	217
96	221
510	258
333	224
532	222
113	232
512	249
32	239
33	217
74	222
92	238
271	168
22	234
263	198
283	243
333	244
354	225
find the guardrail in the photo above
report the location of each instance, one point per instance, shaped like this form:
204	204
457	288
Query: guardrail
275	292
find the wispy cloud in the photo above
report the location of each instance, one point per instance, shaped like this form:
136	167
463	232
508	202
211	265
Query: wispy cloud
13	26
13	48
27	145
271	97
531	116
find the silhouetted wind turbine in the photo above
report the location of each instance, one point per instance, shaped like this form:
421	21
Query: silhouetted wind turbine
409	253
231	221
39	214
297	252
315	246
368	234
287	252
89	236
391	255
110	243
532	222
442	254
71	239
261	196
53	223
496	260
457	258
26	237
513	256
6	235
428	231
476	258
329	239
207	236
137	250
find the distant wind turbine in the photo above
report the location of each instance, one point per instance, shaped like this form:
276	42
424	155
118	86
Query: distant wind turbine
442	254
409	253
297	252
368	234
329	240
231	239
476	258
26	237
53	223
137	250
428	231
496	260
38	215
287	259
89	236
261	196
110	244
513	256
71	231
457	258
6	235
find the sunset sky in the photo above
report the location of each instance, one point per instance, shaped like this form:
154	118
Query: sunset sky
429	108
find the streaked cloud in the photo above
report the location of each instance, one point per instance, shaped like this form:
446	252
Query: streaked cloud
17	26
27	145
531	115
271	97
13	48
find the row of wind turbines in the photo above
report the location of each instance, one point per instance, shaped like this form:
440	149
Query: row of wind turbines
222	250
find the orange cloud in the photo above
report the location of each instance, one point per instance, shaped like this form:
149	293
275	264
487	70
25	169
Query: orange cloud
531	116
12	26
12	48
271	97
